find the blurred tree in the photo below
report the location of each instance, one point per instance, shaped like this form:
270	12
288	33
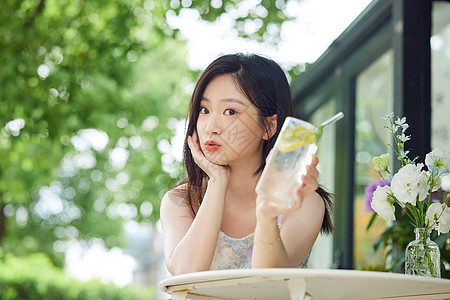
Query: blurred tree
90	95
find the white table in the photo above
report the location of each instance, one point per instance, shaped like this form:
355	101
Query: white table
296	284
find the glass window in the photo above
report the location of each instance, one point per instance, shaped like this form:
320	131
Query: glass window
374	98
322	252
440	78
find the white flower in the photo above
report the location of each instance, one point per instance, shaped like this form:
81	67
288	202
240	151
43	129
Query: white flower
404	138
381	205
410	184
438	158
401	121
433	213
438	217
444	220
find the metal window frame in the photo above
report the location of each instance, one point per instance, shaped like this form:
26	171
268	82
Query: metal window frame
403	26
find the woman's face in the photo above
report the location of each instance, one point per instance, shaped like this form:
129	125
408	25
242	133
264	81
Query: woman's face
228	124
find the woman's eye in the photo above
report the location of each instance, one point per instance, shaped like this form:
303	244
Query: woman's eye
230	112
204	110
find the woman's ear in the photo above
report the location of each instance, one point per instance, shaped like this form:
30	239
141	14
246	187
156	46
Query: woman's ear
271	127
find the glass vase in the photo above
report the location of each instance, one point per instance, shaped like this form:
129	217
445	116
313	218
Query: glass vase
422	256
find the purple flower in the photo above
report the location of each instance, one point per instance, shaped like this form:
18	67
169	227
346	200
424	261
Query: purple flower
368	193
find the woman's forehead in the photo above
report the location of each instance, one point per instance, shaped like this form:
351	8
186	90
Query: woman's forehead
224	88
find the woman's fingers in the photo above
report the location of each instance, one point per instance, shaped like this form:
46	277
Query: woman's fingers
310	179
195	139
211	169
193	143
312	171
314	161
309	185
197	153
194	149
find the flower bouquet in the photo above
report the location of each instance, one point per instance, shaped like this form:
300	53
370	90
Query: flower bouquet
410	190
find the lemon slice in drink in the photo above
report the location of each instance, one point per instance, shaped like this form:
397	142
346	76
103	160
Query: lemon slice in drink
294	138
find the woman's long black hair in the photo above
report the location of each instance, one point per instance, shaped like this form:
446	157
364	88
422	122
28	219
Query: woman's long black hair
264	83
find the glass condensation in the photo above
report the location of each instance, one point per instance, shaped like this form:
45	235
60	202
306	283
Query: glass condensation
422	256
284	169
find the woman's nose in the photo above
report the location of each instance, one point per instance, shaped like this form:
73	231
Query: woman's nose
214	125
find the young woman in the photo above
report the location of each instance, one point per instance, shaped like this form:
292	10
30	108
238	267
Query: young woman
214	219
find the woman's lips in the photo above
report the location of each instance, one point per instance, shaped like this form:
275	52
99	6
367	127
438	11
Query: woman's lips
212	146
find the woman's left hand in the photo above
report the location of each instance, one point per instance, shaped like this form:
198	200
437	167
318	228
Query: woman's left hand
267	209
309	184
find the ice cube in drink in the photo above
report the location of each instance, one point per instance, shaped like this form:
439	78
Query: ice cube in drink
292	152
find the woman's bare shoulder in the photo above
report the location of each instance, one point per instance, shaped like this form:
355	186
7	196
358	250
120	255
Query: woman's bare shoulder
176	196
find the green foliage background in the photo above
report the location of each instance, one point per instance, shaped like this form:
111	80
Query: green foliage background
116	68
35	277
101	71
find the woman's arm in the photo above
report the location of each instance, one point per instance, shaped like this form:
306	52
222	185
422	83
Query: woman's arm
189	243
301	226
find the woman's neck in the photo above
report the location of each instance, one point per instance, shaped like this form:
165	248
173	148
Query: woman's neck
243	183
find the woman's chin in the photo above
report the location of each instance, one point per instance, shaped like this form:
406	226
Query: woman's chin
217	161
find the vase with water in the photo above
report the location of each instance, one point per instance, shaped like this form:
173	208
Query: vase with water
422	255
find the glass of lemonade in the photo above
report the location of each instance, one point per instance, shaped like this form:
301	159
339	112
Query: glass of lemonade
293	151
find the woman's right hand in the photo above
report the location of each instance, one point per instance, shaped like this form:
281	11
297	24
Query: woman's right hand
214	171
183	231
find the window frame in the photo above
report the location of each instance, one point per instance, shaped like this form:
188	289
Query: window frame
403	26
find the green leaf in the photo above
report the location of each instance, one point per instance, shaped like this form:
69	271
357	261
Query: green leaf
372	219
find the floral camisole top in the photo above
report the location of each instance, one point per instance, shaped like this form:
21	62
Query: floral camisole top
235	253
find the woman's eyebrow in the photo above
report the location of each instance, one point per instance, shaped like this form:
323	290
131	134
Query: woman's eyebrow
233	100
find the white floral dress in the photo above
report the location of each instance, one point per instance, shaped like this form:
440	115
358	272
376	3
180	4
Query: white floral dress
236	253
